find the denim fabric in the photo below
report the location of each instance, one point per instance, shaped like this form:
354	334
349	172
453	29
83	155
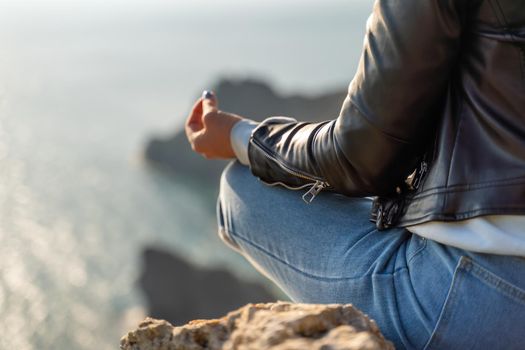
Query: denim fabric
422	294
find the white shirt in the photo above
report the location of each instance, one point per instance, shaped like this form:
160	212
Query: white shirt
494	234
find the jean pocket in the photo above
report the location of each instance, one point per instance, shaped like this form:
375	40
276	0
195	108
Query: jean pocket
482	311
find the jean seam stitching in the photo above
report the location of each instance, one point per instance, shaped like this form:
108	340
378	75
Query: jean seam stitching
293	267
449	302
222	225
499	284
418	251
230	241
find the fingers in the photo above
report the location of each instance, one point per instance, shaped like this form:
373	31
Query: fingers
198	141
209	102
194	121
200	144
199	120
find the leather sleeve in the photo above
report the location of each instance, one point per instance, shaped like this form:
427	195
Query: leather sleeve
390	112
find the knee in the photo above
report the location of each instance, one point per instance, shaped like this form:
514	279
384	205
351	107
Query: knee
223	226
226	237
226	177
234	173
233	179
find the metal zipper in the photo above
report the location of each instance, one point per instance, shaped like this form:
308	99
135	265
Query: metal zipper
420	174
279	183
315	188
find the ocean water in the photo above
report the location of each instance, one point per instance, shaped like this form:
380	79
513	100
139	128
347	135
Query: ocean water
83	84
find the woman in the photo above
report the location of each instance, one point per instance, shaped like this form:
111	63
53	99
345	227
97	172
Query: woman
433	127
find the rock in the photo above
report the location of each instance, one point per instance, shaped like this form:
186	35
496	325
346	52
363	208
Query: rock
249	98
180	292
276	326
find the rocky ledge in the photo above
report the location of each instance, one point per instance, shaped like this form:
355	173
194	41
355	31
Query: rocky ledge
277	326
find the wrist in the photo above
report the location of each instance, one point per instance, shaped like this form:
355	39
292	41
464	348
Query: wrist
240	137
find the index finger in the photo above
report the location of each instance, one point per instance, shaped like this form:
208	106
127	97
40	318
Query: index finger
194	121
209	102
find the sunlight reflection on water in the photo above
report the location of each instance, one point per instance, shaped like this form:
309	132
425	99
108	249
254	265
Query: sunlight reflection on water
78	97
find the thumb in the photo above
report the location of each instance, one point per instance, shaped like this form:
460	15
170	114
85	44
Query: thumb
209	102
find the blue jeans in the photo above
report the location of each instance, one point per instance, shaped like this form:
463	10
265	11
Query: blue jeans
422	294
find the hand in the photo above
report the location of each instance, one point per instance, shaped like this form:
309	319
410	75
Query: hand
208	129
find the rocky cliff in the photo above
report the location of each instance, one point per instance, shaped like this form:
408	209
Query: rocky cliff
252	99
177	291
276	326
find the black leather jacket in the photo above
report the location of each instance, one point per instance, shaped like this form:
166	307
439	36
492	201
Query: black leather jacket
434	121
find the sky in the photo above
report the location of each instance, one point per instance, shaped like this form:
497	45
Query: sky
28	12
183	5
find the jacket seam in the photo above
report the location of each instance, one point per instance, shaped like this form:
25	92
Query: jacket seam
309	148
453	152
496	14
504	23
456	137
406	223
468	187
373	125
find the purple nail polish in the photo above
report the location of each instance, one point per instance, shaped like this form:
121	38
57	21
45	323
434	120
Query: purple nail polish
207	94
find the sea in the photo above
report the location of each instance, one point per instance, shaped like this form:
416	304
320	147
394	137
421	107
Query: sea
83	86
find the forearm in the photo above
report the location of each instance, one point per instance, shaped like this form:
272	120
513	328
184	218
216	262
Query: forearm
389	115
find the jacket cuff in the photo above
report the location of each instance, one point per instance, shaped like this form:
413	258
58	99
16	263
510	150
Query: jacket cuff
263	164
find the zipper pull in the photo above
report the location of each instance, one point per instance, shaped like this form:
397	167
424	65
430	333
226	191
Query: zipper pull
421	172
317	187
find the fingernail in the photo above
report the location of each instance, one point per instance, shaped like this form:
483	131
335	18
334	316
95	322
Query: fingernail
208	94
